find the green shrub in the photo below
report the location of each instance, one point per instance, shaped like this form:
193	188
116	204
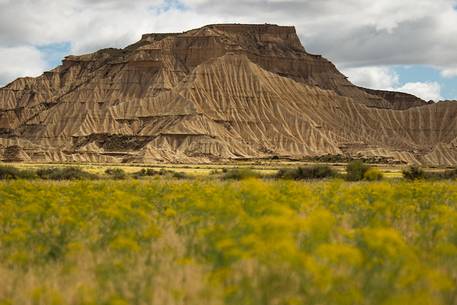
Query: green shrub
355	170
180	175
28	174
287	173
10	172
373	174
163	172
145	172
449	174
414	173
240	174
214	172
149	172
116	173
446	175
64	173
306	173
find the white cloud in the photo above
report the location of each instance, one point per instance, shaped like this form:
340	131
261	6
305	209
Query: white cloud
86	24
425	90
449	72
373	77
91	24
20	61
385	78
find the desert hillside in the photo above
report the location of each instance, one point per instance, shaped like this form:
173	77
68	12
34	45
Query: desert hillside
221	92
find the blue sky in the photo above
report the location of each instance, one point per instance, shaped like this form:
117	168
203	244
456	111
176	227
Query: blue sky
54	53
406	45
421	73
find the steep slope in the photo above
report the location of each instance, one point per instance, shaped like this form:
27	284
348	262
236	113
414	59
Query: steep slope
215	93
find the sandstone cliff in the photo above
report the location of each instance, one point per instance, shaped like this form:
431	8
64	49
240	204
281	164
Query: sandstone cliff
215	93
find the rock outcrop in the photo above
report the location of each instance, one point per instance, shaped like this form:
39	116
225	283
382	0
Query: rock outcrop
220	92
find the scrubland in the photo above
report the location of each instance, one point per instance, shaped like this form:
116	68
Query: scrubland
228	242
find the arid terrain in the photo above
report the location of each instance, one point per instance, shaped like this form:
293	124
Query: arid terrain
220	92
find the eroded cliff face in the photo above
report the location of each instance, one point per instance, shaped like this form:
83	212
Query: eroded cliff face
216	93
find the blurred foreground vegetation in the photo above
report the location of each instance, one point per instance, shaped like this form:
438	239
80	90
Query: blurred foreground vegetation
254	241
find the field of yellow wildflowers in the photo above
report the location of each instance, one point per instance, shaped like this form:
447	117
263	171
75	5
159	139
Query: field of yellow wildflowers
218	242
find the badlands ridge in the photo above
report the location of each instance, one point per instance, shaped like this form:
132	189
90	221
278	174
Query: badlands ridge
220	92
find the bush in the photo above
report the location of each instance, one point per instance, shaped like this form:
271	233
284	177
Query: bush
149	172
414	173
145	172
305	173
373	174
64	173
10	172
163	172
214	172
180	175
240	174
27	174
116	173
355	170
449	174
287	173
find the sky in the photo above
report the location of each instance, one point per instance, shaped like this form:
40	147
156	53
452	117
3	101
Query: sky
403	45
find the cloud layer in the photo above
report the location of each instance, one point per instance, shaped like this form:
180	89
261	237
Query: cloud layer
355	34
385	78
20	61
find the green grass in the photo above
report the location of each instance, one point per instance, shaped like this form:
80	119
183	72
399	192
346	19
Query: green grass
228	242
